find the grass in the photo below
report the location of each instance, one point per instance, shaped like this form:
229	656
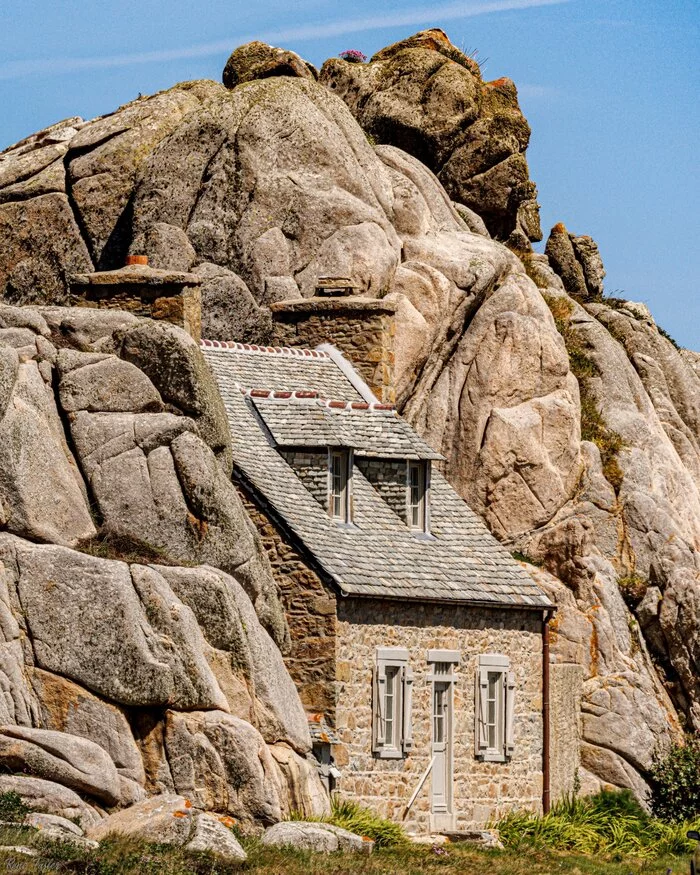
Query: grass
611	825
123	856
110	545
362	821
593	425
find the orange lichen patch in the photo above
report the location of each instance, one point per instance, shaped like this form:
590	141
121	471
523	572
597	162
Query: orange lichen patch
499	83
200	527
227	821
179	814
559	228
188	804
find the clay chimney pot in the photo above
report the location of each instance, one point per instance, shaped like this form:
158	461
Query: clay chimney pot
136	259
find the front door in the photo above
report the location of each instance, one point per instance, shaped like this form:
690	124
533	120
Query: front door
441	804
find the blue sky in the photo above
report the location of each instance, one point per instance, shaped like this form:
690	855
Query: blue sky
610	88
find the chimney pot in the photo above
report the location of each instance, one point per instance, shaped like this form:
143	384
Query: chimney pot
136	259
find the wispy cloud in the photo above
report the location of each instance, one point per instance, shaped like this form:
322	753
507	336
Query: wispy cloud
429	14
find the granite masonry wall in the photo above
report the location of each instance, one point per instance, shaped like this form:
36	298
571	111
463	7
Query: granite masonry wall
388	476
482	791
311	614
311	467
363	329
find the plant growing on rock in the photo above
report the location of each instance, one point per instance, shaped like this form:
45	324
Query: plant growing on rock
353	56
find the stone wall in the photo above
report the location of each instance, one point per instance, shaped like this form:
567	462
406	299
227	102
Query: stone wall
311	467
311	614
388	476
363	329
565	690
482	791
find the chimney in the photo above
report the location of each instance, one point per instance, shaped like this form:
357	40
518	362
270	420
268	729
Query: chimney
361	328
144	291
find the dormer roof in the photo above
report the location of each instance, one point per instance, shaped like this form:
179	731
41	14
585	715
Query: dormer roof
267	394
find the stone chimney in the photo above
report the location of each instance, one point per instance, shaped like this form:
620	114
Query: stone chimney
361	328
144	291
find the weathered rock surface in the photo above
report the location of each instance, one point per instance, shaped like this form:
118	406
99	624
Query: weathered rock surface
261	189
428	98
47	796
166	819
315	837
577	261
258	60
62	758
211	834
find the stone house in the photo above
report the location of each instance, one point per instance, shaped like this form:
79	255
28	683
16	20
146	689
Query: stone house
416	640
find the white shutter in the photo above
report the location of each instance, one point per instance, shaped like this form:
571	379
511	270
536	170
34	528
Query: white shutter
510	713
480	702
407	726
378	688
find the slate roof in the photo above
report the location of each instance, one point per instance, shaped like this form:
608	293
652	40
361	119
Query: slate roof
300	422
377	556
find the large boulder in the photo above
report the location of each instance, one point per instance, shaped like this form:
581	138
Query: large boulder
428	98
316	836
61	758
48	796
259	60
222	763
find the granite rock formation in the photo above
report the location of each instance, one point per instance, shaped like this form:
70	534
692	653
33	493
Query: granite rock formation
428	98
568	421
140	627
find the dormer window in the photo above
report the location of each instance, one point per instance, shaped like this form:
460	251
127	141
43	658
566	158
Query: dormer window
339	483
417	496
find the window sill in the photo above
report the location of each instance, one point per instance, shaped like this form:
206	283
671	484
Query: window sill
422	536
389	753
493	757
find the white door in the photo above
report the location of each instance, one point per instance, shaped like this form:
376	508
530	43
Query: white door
441	805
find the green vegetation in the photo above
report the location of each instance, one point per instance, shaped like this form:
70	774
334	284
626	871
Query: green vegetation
668	337
521	557
362	821
611	825
124	856
633	588
530	269
675	782
593	426
12	808
109	545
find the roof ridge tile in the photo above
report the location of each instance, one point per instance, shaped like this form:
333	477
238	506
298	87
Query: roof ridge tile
287	351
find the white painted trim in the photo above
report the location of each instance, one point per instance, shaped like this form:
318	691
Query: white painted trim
348	372
452	656
392	655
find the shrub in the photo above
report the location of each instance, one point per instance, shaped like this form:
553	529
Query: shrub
611	823
353	56
12	808
675	782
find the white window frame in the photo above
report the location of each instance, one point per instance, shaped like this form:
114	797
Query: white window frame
423	505
392	665
494	727
345	495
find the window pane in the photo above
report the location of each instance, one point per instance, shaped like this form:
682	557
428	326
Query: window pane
493	708
439	713
390	705
416	495
338	485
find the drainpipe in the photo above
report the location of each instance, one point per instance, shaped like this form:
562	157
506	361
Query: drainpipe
546	794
